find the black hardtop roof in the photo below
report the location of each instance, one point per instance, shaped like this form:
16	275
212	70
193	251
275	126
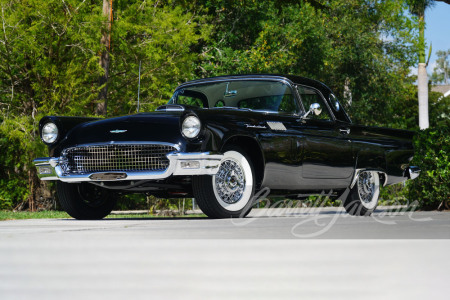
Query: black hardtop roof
293	78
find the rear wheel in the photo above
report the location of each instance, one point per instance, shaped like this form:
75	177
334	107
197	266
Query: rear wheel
85	201
363	197
229	193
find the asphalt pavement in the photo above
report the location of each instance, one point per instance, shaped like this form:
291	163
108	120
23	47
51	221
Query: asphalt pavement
273	254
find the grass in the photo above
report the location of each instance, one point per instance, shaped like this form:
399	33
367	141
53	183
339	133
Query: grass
21	215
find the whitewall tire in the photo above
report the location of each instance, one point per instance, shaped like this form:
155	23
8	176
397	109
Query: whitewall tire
363	197
230	192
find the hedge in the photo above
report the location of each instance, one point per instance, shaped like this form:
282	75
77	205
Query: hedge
432	188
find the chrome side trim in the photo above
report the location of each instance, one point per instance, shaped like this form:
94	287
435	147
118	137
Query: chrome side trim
276	126
208	165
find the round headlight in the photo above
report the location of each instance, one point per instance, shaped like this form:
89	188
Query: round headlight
49	133
191	127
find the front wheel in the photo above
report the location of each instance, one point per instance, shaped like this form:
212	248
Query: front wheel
363	197
229	193
85	201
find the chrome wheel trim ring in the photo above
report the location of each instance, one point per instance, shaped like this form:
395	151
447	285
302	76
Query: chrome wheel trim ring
368	185
233	183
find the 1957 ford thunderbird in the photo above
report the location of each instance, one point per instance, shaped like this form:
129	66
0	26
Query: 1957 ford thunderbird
221	140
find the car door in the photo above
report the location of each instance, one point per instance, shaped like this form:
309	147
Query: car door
326	151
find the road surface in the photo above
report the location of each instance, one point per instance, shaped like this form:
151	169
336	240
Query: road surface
274	254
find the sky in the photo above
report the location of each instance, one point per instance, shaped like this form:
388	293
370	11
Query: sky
437	30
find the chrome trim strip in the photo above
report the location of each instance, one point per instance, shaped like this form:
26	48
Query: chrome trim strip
176	146
209	165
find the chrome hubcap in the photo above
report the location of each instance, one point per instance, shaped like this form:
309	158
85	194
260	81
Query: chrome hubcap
230	181
366	187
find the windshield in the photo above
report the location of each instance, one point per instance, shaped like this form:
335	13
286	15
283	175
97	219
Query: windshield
261	95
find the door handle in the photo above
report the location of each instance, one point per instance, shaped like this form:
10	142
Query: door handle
344	130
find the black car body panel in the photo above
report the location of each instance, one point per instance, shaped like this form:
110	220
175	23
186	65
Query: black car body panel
290	153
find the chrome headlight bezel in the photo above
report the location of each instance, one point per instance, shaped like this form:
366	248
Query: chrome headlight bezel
191	127
49	133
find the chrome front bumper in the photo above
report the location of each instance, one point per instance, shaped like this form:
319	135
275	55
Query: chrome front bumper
203	163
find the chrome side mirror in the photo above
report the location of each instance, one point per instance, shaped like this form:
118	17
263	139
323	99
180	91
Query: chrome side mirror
315	108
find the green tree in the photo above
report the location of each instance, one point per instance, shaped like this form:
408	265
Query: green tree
418	8
49	65
165	38
360	48
441	71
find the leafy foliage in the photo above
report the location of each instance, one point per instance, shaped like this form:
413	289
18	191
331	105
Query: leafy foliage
432	148
17	177
362	49
441	72
50	50
49	65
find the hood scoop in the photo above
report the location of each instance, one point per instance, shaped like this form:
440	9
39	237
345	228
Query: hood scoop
170	107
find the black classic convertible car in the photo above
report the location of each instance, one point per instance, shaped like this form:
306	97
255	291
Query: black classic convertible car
221	140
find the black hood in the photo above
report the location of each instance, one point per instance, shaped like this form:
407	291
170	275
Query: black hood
148	127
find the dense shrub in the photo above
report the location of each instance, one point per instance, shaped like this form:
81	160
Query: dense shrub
19	185
13	181
432	188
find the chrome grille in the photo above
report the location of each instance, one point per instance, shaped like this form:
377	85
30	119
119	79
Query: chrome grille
105	158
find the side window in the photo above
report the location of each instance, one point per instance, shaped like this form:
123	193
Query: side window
192	98
310	96
285	104
288	104
189	100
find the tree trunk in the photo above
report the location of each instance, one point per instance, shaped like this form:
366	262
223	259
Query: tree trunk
422	77
422	82
102	104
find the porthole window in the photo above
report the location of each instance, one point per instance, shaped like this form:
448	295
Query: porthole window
334	101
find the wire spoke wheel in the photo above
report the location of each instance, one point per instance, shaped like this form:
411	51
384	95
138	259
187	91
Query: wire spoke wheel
363	197
230	181
229	193
368	188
